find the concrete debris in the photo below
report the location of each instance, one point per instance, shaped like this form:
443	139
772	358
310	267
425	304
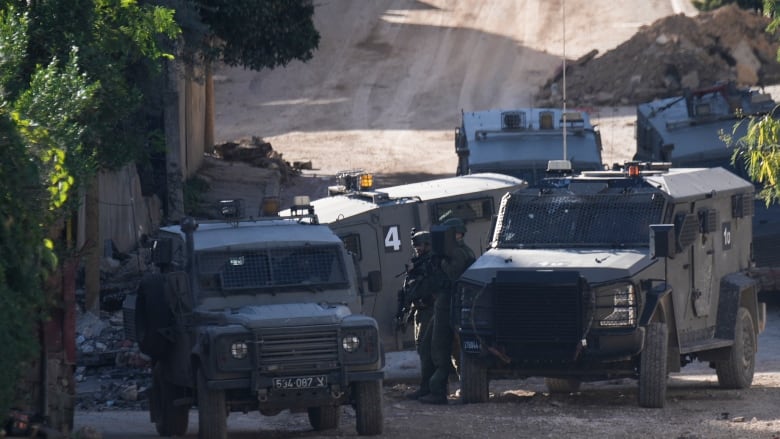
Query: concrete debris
111	372
672	54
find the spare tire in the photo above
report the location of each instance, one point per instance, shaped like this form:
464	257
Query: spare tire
152	314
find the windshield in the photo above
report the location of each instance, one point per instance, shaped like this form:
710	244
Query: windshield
614	217
288	267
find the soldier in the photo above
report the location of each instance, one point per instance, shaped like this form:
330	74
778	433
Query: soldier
418	297
440	335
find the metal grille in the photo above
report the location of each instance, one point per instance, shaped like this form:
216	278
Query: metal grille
558	217
539	310
513	120
297	349
312	265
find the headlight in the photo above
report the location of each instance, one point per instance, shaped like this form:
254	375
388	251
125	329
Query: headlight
476	308
350	343
232	352
359	345
617	307
468	293
239	350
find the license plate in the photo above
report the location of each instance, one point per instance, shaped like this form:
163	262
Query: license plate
307	382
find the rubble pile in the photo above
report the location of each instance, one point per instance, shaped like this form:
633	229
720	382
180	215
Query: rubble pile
257	152
111	372
670	55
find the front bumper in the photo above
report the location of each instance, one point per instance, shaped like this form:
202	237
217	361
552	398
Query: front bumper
602	354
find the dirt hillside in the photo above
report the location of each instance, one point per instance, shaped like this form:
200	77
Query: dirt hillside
386	87
671	54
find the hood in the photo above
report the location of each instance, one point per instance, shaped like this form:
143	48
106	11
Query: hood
596	265
293	314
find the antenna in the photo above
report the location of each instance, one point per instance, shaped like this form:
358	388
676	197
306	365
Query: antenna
563	13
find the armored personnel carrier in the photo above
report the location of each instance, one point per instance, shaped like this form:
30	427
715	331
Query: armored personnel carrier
633	272
258	314
685	131
520	142
376	225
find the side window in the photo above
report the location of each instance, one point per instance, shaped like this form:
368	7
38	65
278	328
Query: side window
467	210
352	244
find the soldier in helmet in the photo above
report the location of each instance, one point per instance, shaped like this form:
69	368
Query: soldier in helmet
440	335
420	285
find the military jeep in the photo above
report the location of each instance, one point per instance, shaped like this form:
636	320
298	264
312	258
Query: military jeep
633	272
258	314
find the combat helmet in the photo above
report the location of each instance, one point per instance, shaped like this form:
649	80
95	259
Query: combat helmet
457	224
421	237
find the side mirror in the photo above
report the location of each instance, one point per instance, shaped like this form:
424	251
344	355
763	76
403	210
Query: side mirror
374	281
662	241
162	251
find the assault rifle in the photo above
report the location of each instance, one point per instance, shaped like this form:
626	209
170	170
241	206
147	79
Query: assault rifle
407	302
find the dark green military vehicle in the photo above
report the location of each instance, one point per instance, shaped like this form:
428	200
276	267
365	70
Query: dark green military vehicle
634	273
256	314
686	131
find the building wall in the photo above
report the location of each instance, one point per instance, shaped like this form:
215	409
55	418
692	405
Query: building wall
125	214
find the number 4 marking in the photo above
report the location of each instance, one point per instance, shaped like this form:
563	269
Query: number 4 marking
392	238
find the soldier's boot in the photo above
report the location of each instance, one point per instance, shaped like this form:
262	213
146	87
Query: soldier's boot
417	394
438	387
432	398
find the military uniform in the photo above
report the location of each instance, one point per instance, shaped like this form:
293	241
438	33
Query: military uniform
440	334
422	284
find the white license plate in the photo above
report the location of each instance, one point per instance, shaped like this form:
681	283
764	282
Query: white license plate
306	382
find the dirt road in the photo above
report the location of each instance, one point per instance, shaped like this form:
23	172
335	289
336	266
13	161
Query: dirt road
696	408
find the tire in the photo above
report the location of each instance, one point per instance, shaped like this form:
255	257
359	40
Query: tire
652	366
170	419
324	417
212	414
737	372
474	383
563	386
368	407
152	314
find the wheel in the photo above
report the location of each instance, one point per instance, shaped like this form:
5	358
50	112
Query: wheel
474	383
368	407
212	416
324	417
562	385
737	371
152	314
169	419
652	366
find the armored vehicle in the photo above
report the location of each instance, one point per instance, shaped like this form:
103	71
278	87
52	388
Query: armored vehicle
633	273
520	142
376	226
685	131
256	314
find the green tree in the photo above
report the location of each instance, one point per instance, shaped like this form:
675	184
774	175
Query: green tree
758	151
247	33
35	130
69	92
